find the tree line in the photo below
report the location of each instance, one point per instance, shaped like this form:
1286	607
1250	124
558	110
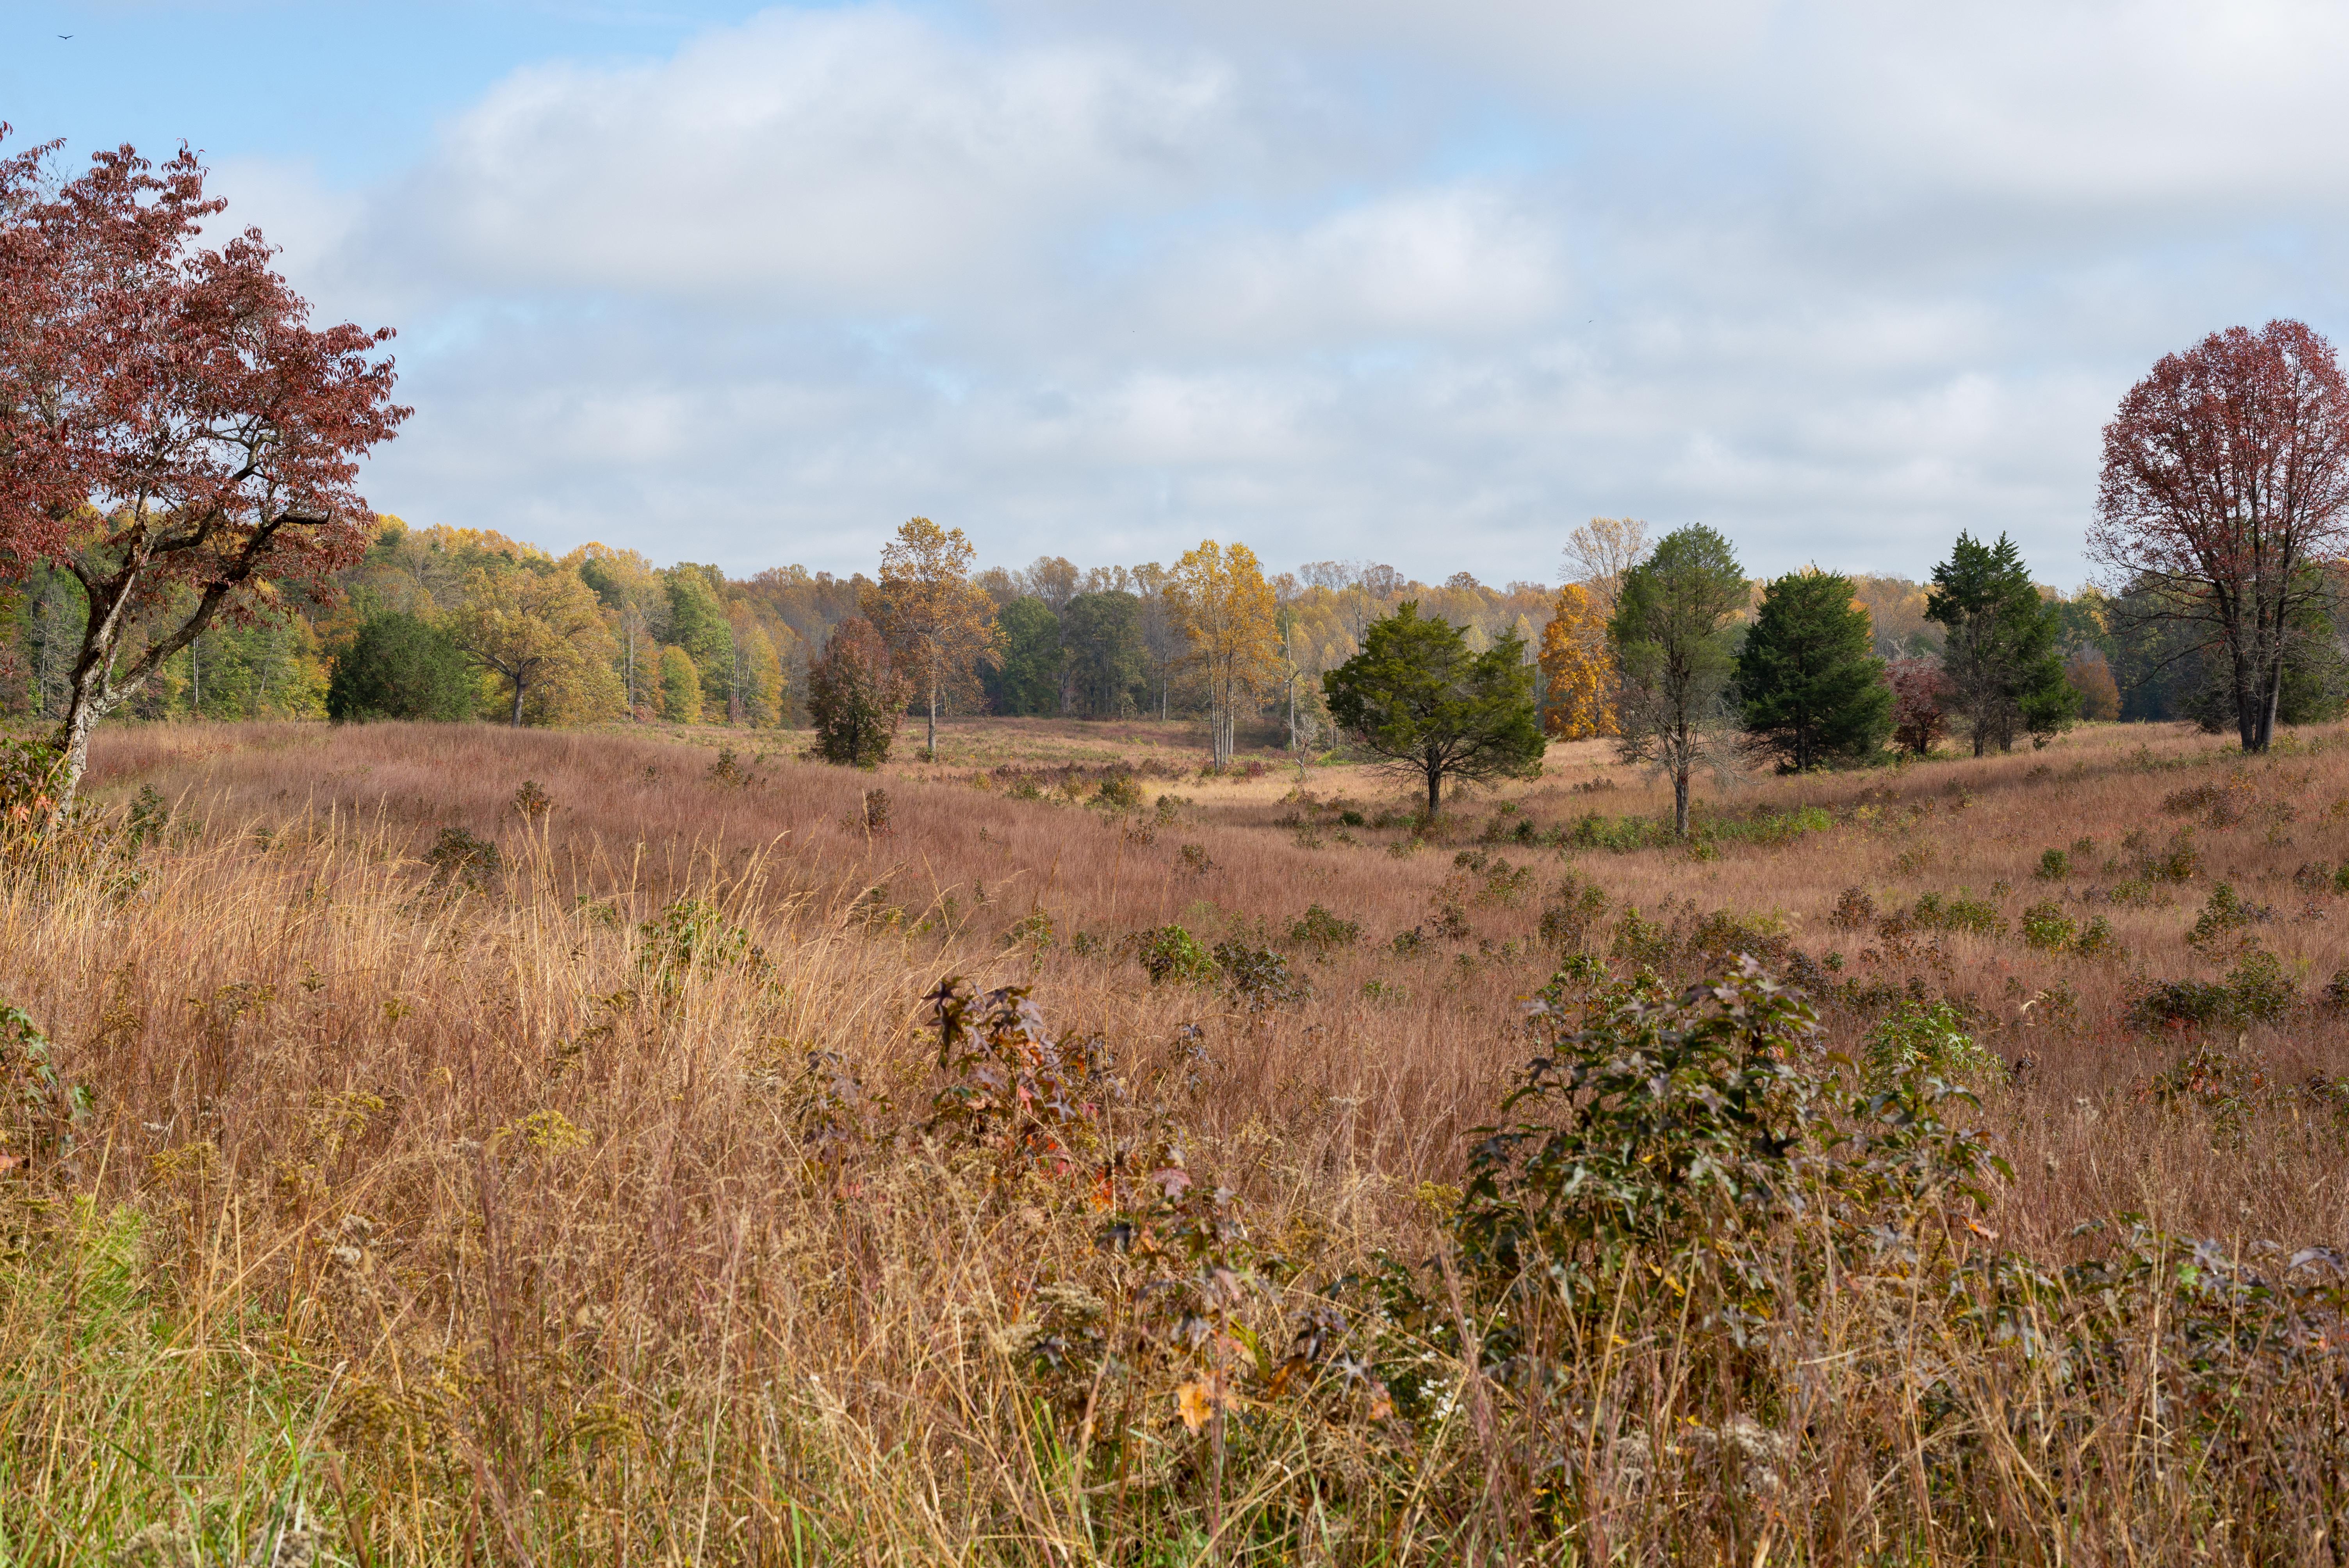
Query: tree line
180	535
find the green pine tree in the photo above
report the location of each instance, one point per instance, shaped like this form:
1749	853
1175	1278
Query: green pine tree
1813	690
2000	656
1417	698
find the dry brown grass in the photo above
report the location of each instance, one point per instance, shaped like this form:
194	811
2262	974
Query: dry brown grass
437	1216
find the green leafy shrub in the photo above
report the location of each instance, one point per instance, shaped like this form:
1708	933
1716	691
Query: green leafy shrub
1118	792
2256	990
1639	940
692	935
1929	1037
2045	926
1321	932
2055	865
2223	915
39	1112
1256	977
458	857
1171	953
1570	912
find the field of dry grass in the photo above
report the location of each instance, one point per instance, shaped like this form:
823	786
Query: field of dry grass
607	1200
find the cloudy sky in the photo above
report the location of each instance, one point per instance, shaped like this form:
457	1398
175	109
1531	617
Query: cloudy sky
1428	284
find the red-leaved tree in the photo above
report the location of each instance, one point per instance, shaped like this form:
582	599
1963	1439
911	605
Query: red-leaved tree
173	433
2226	486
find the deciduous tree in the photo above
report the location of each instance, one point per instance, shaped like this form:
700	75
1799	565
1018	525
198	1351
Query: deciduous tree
2005	674
1919	689
540	630
1670	633
1809	684
1417	698
1600	554
1220	602
169	418
2226	479
937	625
1577	669
1026	676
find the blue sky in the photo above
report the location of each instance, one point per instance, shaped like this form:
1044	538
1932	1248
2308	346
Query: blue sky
1425	284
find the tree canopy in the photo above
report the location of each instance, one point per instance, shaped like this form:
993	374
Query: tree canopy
2224	485
1418	698
173	432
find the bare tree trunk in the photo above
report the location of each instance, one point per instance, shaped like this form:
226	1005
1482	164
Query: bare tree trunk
517	707
1680	798
1434	793
934	724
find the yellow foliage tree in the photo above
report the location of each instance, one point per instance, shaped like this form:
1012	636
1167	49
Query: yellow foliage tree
936	624
540	630
1220	602
680	687
1577	672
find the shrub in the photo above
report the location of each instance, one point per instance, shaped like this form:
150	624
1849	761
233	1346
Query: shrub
1929	1037
1573	908
2096	940
532	802
2256	990
456	856
39	1112
1118	792
1171	953
2045	926
1323	933
1194	859
1639	940
2223	915
2055	865
1256	978
692	934
1855	909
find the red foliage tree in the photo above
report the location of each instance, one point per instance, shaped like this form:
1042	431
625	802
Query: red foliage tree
2226	485
173	433
1919	688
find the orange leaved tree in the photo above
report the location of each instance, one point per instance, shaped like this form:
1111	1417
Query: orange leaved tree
936	624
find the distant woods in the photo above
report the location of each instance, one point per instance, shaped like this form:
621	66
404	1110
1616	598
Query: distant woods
2229	610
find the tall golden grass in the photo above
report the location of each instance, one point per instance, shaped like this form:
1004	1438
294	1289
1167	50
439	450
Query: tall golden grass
475	1217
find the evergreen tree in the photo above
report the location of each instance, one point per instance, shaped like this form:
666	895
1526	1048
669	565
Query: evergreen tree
400	666
1812	689
1417	698
1026	676
2005	674
1673	655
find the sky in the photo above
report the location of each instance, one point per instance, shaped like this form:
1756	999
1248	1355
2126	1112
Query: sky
1423	284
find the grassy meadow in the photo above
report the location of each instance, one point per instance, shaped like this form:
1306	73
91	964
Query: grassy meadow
540	1148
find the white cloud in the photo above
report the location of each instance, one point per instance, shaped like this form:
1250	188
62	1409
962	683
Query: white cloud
1431	284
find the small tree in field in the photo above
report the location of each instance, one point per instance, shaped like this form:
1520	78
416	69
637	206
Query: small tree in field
1416	697
2226	482
1671	648
937	625
1812	687
856	697
538	629
400	666
1917	687
173	433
